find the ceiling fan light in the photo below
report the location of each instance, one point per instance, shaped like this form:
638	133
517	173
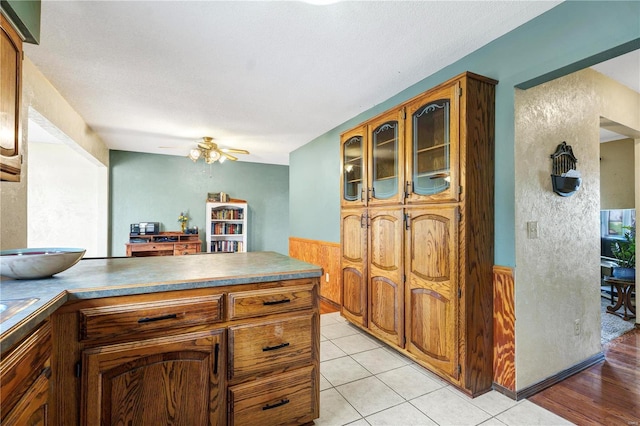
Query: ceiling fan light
222	158
213	156
194	154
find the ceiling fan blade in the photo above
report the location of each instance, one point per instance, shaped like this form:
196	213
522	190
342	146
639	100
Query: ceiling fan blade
235	151
229	156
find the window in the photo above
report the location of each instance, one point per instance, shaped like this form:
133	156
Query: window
612	222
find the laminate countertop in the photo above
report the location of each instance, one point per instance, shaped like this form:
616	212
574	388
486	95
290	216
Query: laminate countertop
96	278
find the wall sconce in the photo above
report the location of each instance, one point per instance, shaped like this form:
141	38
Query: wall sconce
565	178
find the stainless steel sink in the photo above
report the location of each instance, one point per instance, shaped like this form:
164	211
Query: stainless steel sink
10	307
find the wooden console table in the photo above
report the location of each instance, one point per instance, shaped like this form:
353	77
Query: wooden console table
163	244
624	289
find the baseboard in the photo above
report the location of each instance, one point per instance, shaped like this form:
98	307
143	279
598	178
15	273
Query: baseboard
330	302
549	381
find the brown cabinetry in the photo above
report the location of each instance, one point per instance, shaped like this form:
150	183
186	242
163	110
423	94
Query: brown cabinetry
168	380
417	252
10	102
24	380
221	355
163	244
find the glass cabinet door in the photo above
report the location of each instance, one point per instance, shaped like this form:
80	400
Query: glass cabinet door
433	152
386	158
354	167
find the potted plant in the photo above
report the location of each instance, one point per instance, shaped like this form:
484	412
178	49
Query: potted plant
625	253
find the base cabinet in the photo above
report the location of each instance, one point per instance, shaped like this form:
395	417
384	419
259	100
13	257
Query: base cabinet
242	354
24	380
176	380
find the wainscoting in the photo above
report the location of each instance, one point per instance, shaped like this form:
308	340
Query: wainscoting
326	255
504	321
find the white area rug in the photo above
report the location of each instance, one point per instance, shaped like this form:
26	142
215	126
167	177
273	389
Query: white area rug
612	325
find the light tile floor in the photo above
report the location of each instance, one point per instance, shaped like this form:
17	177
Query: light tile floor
364	382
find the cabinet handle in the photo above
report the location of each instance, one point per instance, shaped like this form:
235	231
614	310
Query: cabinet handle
160	318
273	348
276	405
216	352
276	302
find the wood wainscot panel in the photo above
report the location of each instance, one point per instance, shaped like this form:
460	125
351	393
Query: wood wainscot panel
504	337
326	255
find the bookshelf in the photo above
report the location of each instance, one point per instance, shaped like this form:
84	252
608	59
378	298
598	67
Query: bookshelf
226	227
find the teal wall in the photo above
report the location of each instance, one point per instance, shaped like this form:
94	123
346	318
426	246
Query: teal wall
25	14
156	188
569	37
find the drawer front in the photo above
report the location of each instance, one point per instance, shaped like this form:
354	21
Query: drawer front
272	345
270	301
115	320
149	247
289	398
181	251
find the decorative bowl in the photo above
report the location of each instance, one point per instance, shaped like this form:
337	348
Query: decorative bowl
34	263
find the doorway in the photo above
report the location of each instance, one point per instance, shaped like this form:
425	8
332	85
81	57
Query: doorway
67	199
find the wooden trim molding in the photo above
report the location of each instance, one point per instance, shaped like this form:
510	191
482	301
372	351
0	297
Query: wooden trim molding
551	380
504	337
324	254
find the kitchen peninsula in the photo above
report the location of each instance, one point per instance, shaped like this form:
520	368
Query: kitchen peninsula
201	339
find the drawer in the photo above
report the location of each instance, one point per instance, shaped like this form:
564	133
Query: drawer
272	345
181	251
150	247
289	398
115	320
270	301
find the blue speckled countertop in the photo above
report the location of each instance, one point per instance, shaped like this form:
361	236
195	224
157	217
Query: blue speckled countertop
95	278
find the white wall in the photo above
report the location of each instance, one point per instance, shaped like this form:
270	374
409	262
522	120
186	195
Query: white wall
66	200
557	275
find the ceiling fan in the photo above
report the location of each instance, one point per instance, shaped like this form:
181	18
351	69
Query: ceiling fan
210	152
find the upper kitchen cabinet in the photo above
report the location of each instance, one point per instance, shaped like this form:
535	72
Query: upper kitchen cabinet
386	158
10	105
353	180
372	162
432	139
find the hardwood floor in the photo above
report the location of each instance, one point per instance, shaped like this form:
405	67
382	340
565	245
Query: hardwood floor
604	394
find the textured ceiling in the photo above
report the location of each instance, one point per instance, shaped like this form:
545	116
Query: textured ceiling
266	76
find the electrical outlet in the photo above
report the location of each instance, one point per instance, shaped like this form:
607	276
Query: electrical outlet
532	230
577	327
326	277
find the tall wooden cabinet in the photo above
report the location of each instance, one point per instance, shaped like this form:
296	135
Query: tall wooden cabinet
417	228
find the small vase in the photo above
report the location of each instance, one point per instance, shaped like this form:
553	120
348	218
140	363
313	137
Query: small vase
183	225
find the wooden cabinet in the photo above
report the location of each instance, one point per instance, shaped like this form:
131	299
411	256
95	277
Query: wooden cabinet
353	248
221	355
168	380
24	380
433	146
385	277
373	162
163	244
10	102
417	253
226	227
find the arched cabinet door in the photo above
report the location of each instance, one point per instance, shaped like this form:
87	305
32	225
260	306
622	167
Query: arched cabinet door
431	305
353	167
433	146
386	159
353	229
386	287
152	382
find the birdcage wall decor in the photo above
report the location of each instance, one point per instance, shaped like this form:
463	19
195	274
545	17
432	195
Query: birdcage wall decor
565	178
